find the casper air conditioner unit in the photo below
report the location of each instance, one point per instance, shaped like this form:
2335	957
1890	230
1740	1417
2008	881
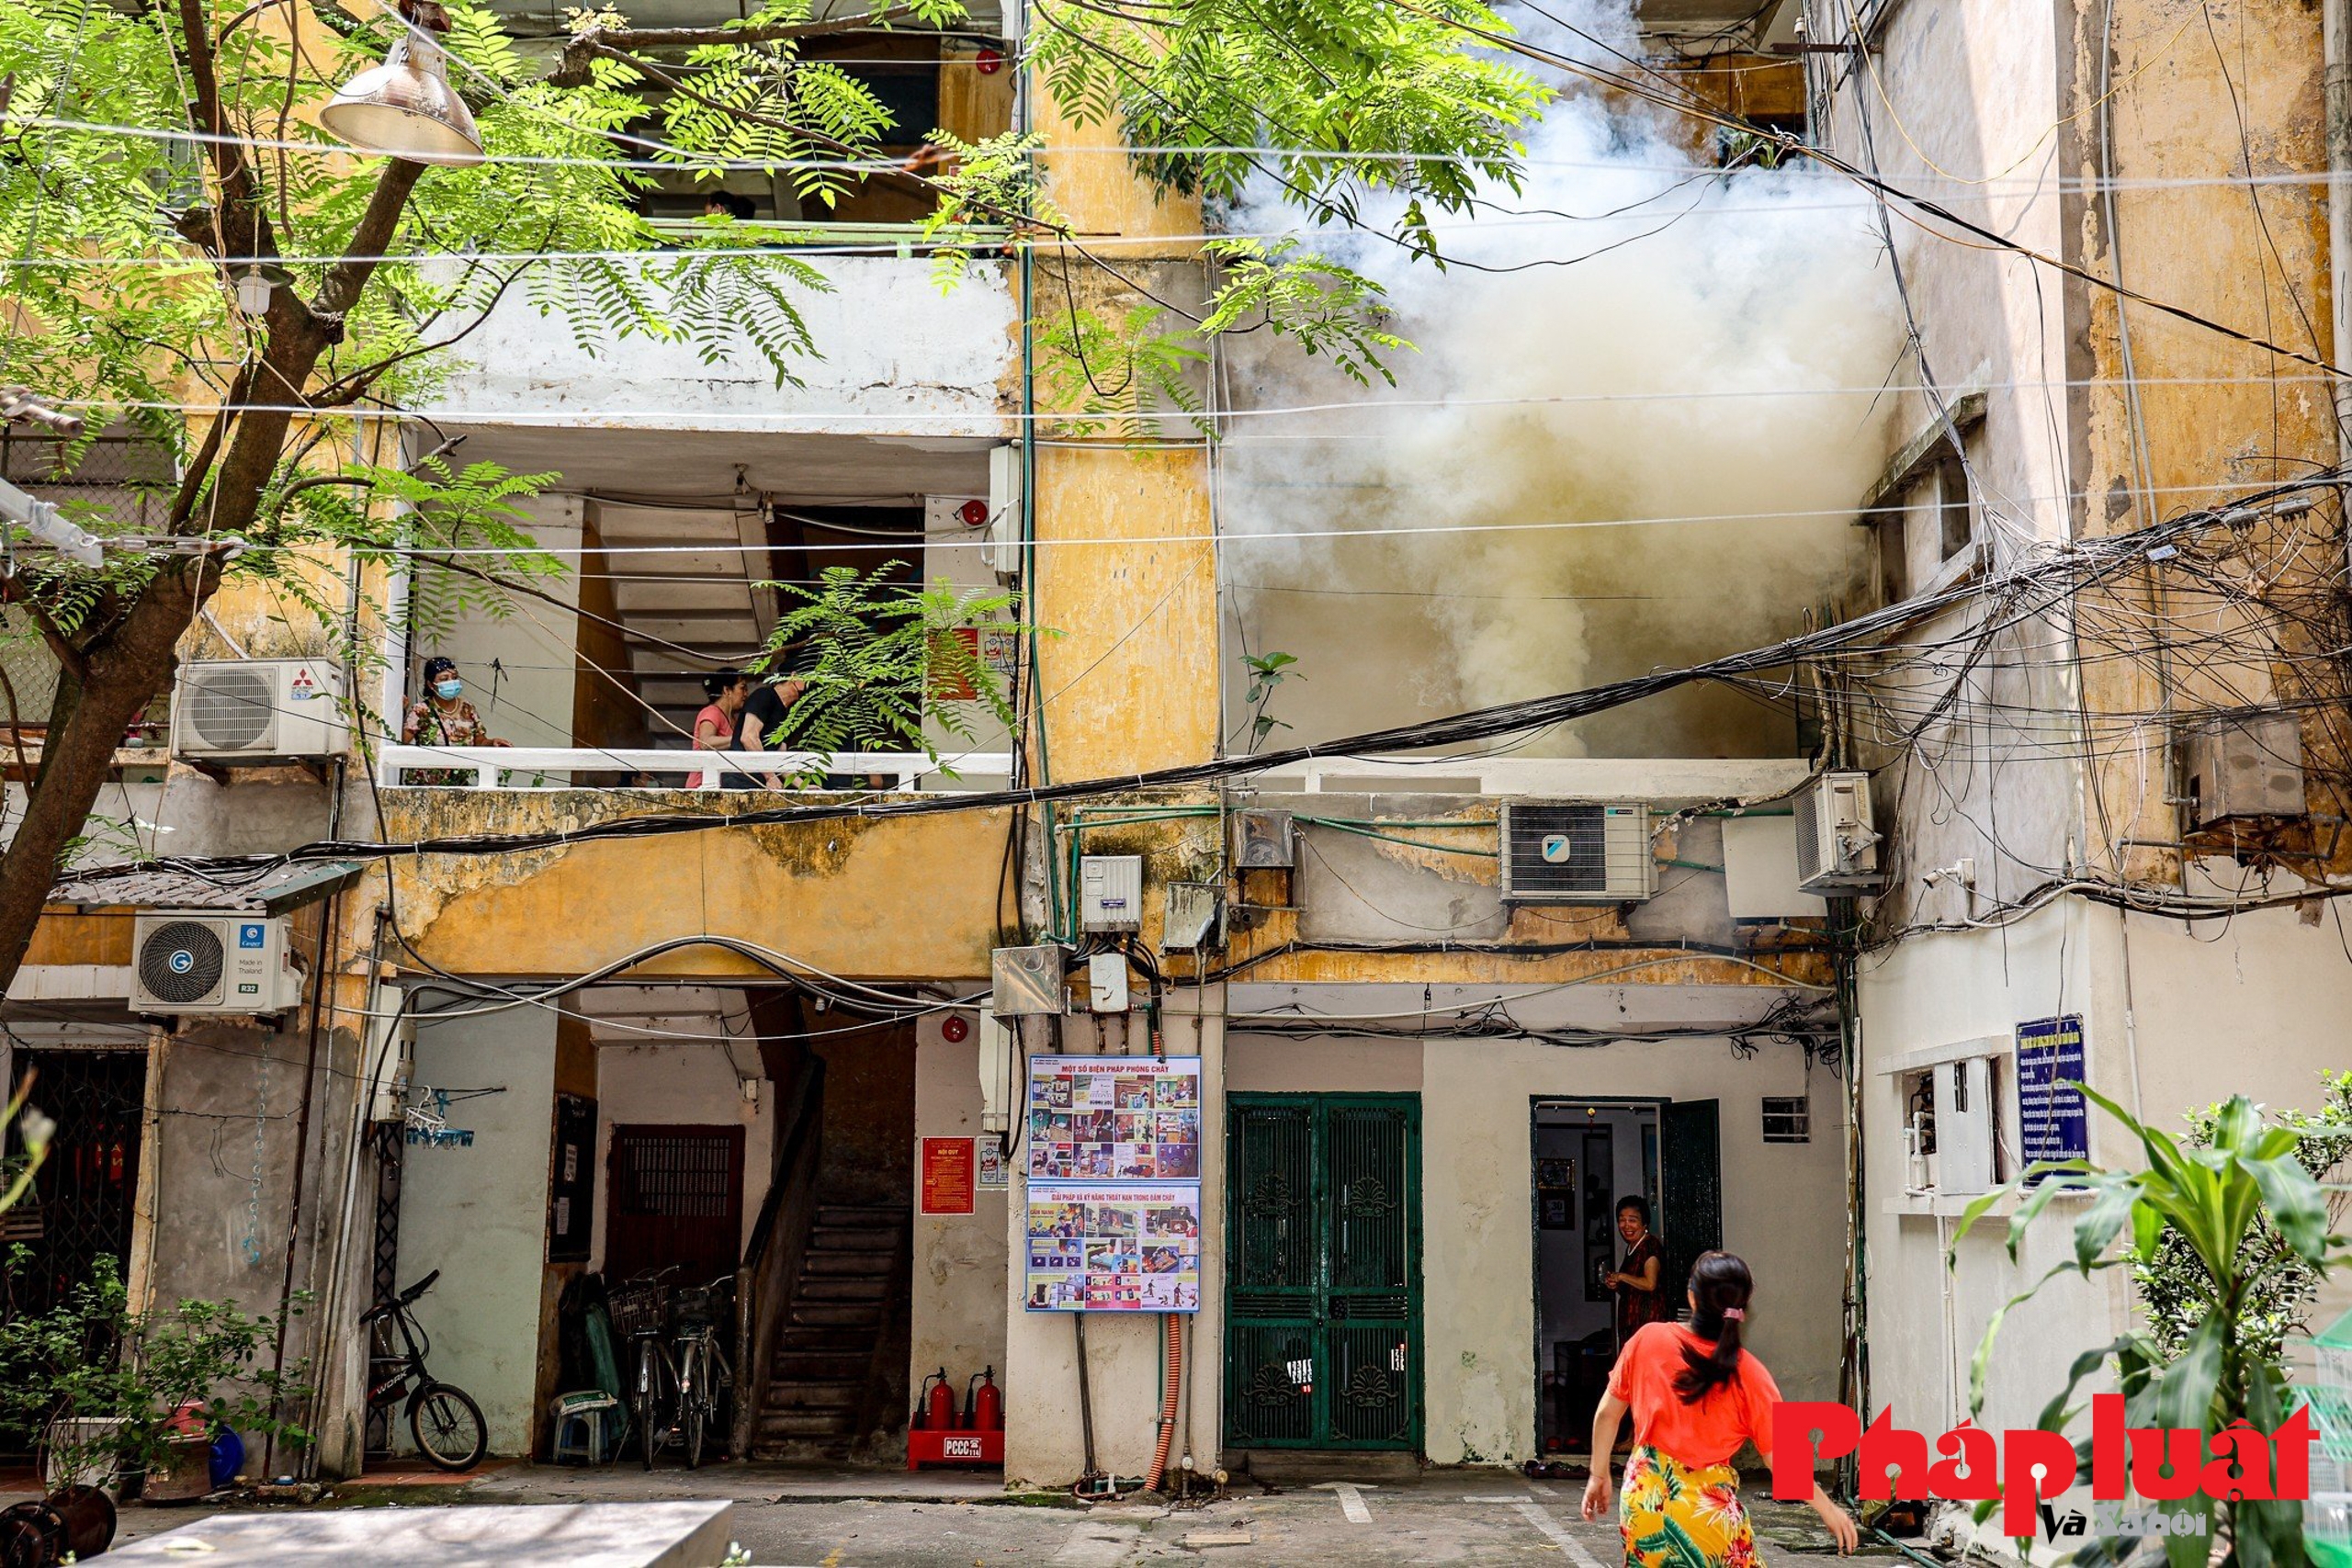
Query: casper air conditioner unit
208	961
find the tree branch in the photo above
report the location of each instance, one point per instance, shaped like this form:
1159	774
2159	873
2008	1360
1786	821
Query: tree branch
59	643
572	69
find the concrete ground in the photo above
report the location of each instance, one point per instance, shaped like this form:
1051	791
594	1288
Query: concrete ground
813	1518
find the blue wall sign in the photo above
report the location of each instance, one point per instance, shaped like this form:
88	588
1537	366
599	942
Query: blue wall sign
2053	1119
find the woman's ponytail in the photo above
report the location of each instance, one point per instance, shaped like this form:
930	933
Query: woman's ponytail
1720	1288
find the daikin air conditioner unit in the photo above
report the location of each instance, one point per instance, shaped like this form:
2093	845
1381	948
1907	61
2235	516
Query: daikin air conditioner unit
258	710
1836	846
208	962
1576	853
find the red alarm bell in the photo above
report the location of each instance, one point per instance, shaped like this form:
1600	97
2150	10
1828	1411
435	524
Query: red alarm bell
988	61
954	1029
975	514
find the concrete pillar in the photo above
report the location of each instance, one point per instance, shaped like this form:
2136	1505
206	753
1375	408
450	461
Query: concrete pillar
1043	1431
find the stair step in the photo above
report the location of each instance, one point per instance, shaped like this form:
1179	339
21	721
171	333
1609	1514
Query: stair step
864	1260
784	1425
815	1395
842	1288
865	1313
872	1216
820	1366
798	1338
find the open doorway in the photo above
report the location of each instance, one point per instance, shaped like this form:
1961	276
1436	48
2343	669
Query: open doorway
1592	1155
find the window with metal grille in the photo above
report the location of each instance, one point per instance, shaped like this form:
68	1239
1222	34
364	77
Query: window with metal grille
1788	1119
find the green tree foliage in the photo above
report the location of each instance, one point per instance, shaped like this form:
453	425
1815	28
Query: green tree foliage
878	655
153	154
2202	1211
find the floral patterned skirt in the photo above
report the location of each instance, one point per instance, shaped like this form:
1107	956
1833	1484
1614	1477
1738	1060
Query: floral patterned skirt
1674	1516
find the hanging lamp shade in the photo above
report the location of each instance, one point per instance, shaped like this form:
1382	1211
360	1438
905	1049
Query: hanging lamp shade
405	108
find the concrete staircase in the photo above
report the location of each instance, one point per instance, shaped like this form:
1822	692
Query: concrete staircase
828	1383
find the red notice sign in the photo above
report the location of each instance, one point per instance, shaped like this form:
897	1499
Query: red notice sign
949	1175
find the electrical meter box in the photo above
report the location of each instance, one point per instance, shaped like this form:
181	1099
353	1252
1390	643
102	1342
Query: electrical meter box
1110	893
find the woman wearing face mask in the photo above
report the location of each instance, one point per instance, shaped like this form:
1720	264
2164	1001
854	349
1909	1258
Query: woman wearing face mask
443	718
1696	1397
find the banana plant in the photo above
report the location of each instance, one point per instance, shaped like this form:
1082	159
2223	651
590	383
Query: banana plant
2212	1199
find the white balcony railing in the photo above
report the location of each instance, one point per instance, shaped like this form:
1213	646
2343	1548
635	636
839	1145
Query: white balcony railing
537	767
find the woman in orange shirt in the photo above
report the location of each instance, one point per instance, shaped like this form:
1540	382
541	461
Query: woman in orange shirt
1696	1397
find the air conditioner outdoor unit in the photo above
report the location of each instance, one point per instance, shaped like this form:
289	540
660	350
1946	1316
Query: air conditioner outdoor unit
207	962
1576	853
391	1063
258	710
2241	765
1002	552
1836	846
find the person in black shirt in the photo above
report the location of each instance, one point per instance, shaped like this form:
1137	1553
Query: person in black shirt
762	722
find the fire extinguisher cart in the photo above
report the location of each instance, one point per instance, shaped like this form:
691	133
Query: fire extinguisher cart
939	1436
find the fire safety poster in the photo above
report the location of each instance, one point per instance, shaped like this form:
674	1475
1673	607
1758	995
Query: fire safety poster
1124	1248
1115	1119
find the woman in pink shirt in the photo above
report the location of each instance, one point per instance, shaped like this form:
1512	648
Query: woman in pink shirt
1696	1398
715	726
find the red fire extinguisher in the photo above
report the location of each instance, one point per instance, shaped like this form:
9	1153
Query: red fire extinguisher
935	1404
984	1406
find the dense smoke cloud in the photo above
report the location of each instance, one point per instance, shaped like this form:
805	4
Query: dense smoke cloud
1739	296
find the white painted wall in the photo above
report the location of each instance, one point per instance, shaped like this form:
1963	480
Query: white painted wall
479	1214
896	354
685	1084
1783	1211
528	699
959	1287
2255	1007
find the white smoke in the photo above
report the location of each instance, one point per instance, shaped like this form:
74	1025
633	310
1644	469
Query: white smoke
1742	299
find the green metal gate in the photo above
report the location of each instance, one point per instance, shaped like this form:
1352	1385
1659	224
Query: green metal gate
1323	1271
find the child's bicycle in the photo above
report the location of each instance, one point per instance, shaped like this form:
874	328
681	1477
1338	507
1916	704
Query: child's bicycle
443	1418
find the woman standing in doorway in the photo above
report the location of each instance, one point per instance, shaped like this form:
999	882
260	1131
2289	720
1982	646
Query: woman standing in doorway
1696	1397
1641	1290
715	726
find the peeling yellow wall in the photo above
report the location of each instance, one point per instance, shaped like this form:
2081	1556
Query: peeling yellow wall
2219	417
1129	681
907	899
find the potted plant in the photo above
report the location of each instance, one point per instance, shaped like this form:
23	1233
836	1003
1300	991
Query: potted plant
118	1397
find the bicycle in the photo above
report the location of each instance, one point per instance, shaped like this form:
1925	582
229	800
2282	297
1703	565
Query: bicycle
699	1320
683	1375
443	1418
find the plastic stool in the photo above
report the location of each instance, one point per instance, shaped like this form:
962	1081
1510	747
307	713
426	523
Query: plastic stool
580	1435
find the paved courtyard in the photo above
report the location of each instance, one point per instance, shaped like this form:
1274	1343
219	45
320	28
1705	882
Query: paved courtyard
792	1518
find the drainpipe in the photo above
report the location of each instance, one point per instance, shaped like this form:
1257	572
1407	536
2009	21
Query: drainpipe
2336	48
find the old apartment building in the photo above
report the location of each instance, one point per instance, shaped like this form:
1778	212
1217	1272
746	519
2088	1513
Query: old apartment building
1790	953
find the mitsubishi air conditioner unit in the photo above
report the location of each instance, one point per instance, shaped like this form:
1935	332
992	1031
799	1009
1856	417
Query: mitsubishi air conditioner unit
1576	853
1836	846
258	710
208	961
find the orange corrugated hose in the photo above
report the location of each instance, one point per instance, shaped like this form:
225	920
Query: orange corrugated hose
1174	1337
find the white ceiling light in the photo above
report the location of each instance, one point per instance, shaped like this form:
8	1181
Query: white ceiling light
405	108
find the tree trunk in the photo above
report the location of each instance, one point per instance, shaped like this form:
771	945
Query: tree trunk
126	667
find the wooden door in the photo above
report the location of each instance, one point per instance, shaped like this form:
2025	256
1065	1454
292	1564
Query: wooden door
1690	1191
674	1200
